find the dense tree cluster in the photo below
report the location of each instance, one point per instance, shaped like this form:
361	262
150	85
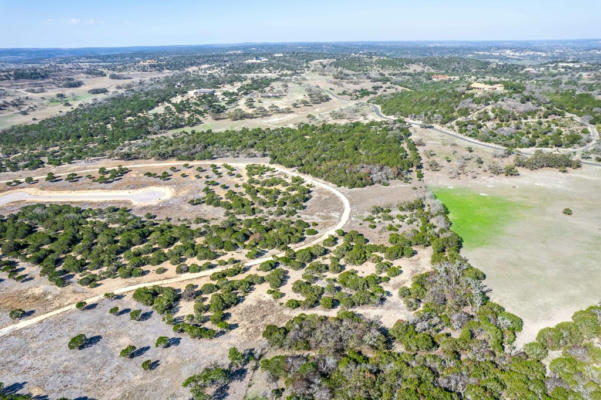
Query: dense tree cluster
582	104
95	244
515	117
432	102
541	159
352	155
572	368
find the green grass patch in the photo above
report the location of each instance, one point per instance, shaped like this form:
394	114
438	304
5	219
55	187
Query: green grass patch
70	99
477	218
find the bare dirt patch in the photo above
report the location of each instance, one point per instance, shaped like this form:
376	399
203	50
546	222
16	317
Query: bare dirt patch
49	368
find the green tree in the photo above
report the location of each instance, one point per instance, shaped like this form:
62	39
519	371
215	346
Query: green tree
77	342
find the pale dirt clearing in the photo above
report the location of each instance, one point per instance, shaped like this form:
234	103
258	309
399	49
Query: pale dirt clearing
46	367
143	196
363	199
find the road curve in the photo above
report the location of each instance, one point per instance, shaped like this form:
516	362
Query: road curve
186	277
528	151
379	113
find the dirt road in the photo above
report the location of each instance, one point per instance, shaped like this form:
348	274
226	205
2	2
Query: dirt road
523	151
186	277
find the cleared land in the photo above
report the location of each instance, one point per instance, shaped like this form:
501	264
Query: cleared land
540	264
148	195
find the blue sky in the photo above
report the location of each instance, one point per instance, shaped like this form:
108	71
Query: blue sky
82	23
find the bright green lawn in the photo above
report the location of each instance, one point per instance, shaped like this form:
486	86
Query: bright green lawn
477	218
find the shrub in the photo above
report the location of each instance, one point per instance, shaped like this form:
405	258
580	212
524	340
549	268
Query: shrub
98	91
405	333
293	303
135	315
327	302
128	351
114	310
146	365
213	377
541	159
511	170
253	253
536	350
77	342
268	265
567	211
275	335
162	341
16	314
276	278
235	356
81	305
275	294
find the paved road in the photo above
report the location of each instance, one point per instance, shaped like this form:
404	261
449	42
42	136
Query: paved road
186	277
493	146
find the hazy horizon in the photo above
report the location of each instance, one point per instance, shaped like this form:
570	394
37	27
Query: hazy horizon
234	44
72	24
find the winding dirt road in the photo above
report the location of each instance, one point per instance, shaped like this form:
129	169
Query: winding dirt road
523	151
191	276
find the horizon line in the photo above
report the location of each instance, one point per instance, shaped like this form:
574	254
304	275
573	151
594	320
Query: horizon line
231	44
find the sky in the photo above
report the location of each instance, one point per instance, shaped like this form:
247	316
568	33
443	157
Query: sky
109	23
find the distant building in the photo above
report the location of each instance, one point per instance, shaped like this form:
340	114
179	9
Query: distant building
256	60
440	77
483	87
200	92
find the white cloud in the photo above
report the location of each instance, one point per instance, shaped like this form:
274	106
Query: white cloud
74	21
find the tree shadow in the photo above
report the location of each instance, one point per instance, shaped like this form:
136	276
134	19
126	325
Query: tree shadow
91	341
124	311
145	316
13	388
28	313
221	333
221	393
91	306
239	374
140	351
174	341
154	365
